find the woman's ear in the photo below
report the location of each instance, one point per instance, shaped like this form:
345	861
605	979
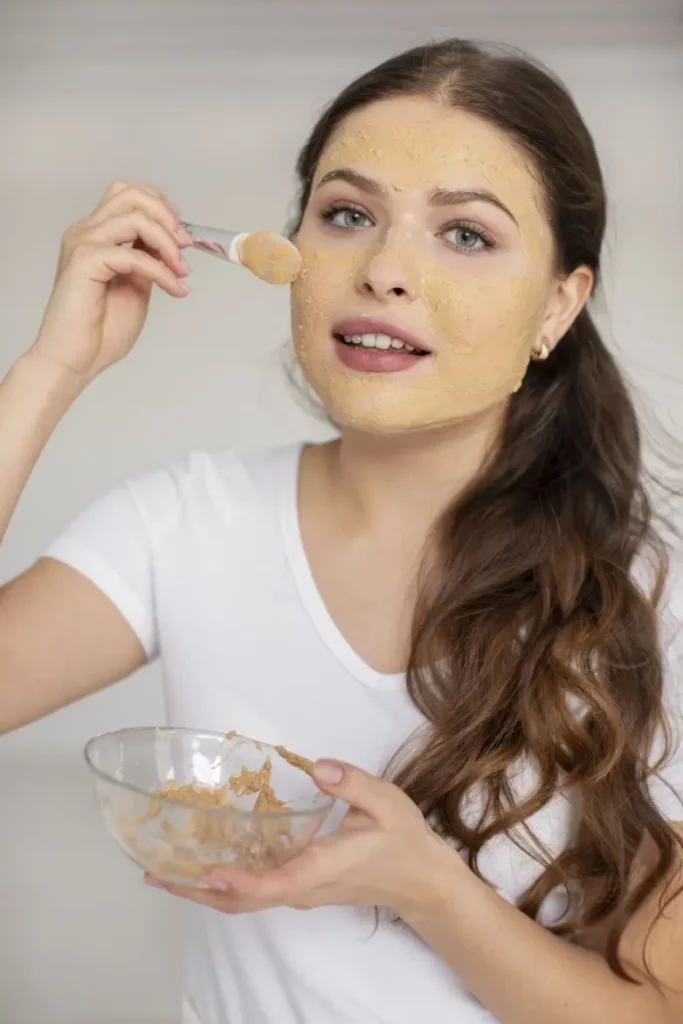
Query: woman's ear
568	297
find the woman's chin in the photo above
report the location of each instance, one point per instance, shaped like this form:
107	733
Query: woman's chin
382	421
394	405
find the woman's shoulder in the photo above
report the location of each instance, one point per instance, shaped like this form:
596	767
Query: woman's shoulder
202	482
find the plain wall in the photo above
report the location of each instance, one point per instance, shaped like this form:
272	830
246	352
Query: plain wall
210	101
210	104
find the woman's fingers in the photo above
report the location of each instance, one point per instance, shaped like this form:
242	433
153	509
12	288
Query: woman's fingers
137	226
103	262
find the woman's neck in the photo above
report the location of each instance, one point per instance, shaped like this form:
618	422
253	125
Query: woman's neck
407	481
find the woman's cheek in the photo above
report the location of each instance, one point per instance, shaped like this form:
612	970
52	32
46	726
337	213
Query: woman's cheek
322	294
486	329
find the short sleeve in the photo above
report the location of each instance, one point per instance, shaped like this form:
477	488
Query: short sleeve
111	543
667	789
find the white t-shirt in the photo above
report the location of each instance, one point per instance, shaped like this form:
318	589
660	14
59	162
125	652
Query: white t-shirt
205	561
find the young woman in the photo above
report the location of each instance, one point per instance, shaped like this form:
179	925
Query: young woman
458	606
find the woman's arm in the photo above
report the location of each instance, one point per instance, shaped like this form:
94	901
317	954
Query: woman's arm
34	396
60	637
524	974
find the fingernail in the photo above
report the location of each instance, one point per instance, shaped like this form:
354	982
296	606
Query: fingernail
329	772
222	884
184	264
183	236
183	288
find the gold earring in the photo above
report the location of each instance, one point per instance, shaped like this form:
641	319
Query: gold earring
540	352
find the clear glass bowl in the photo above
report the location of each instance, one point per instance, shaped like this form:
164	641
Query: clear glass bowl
177	836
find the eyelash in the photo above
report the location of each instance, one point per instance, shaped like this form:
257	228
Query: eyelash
334	208
464	225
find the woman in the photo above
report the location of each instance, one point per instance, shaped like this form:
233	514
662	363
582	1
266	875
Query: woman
457	601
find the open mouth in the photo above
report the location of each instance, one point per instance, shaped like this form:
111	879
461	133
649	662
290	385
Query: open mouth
367	344
379	342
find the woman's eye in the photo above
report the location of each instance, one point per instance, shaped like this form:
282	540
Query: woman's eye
347	217
467	238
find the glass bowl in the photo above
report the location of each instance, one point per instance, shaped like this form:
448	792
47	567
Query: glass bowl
181	802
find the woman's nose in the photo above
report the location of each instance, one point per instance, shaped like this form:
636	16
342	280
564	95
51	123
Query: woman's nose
387	275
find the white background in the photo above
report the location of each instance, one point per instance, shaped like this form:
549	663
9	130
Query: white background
210	102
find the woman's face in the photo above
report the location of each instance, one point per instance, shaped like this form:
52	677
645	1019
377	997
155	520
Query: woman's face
425	227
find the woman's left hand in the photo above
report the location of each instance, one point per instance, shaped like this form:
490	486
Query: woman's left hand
383	854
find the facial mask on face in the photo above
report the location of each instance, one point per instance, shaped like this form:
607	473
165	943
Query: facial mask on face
478	313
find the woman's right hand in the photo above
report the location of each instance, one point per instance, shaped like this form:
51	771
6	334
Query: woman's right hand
102	289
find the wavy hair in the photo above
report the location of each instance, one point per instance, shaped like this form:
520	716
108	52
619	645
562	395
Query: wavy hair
532	640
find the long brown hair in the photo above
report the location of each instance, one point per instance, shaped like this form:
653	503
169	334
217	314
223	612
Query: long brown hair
535	640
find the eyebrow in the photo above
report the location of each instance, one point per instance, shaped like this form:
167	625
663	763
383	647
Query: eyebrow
438	197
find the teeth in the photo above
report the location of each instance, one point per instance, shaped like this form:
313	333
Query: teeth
380	341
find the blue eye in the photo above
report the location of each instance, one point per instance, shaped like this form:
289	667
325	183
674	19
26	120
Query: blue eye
349	218
467	238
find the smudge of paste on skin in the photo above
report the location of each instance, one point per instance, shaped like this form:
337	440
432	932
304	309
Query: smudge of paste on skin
473	370
474	327
483	321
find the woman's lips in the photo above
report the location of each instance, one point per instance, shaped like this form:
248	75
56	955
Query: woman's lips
375	360
372	325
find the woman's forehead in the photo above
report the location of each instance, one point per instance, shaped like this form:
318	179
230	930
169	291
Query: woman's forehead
415	143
